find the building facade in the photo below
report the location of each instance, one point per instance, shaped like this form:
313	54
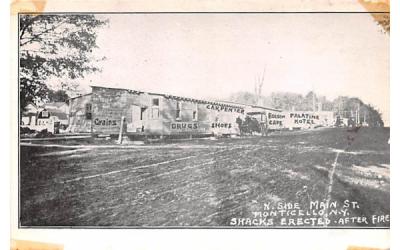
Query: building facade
300	119
108	110
105	110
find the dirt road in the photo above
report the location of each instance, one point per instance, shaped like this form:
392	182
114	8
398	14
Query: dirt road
283	180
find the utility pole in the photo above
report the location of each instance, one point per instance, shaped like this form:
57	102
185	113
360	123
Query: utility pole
357	117
121	130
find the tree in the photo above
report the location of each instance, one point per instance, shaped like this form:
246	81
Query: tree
52	45
310	100
258	85
58	95
353	108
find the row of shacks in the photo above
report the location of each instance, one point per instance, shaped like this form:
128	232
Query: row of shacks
109	111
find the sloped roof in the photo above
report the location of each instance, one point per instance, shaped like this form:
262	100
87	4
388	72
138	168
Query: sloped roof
267	108
174	97
28	112
79	96
55	112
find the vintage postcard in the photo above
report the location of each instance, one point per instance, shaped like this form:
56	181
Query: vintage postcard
203	118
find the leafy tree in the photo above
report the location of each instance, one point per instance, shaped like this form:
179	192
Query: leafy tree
346	107
243	97
58	95
287	101
52	45
372	116
309	100
342	106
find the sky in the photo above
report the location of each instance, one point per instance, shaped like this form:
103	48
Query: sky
215	55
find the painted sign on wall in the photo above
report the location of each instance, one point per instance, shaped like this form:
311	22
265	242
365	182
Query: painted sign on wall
221	125
224	108
275	120
184	126
299	119
308	119
304	118
105	122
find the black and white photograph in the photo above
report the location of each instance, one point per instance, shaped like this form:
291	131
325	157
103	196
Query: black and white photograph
204	120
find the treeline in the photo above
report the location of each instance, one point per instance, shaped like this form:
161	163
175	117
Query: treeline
343	106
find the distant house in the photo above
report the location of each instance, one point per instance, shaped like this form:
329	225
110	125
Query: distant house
58	111
29	115
50	116
60	106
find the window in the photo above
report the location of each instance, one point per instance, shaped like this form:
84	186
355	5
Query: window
178	110
195	113
155	109
156	102
88	111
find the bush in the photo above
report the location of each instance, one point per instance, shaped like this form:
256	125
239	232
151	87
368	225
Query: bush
26	130
44	134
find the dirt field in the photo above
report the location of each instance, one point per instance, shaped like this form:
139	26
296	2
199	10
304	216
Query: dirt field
204	183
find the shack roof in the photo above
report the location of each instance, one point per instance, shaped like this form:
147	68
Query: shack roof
174	97
188	99
266	108
79	96
253	106
256	113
